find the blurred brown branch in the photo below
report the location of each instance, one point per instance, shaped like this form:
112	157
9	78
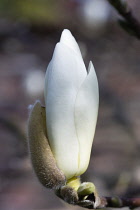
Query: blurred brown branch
129	22
12	127
122	202
20	138
115	202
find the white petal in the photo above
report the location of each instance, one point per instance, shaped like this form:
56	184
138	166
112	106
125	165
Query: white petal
86	111
65	74
69	40
47	78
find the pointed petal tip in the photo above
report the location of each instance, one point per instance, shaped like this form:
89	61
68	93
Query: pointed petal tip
90	66
68	39
66	36
91	71
66	32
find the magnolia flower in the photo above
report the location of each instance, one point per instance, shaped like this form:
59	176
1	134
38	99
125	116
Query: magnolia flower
71	98
60	134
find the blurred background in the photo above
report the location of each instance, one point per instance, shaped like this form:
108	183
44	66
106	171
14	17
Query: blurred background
29	31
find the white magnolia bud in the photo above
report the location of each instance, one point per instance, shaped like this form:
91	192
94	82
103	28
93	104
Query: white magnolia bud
71	98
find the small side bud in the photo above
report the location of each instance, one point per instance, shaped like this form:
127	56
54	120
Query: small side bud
42	157
85	189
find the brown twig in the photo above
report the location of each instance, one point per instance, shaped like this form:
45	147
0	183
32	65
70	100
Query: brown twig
130	23
118	202
112	202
